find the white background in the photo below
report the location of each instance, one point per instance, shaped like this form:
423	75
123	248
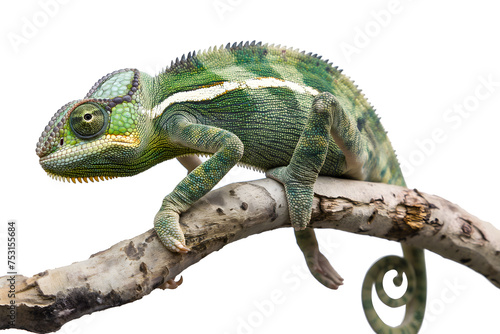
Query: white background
413	59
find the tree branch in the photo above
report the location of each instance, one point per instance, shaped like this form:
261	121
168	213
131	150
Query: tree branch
133	268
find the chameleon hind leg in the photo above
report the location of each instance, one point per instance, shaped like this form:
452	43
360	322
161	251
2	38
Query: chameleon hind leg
327	119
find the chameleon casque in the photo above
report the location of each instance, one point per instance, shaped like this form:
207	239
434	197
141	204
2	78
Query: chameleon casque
289	114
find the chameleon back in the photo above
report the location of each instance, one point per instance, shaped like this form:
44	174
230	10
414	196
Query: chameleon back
263	94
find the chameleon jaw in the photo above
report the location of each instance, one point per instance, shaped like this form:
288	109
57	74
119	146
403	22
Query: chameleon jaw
79	179
65	160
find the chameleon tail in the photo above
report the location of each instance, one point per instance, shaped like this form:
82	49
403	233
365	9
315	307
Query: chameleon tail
413	266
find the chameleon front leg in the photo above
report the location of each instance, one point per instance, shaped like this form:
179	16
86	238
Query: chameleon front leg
300	175
227	150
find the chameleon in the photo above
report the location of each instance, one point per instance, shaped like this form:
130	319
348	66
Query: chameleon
289	114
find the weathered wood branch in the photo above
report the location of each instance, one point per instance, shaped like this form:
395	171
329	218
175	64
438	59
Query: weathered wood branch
133	268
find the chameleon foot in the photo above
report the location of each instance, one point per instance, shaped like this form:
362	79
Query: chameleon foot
322	270
171	284
299	195
170	233
174	245
317	263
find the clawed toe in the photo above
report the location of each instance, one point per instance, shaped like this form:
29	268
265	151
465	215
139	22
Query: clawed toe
317	263
174	245
330	279
323	271
180	247
171	284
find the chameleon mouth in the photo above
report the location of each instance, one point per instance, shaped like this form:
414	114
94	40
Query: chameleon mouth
80	179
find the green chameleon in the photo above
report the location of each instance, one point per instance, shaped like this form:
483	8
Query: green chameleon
289	114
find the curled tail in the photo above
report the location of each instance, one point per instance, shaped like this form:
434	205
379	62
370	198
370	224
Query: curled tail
413	266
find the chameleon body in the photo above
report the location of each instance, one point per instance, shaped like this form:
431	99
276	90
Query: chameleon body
289	114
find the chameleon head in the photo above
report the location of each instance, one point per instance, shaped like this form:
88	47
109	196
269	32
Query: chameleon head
98	136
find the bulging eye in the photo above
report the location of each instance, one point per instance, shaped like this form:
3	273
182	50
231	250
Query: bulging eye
88	120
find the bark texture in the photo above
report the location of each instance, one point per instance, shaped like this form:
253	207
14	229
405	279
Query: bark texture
133	268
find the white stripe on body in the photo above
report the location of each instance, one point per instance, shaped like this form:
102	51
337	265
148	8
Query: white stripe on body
209	93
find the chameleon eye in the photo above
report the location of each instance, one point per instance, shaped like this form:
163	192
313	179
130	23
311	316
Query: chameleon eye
88	120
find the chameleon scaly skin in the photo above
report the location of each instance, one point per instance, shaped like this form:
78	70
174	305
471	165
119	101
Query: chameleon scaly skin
287	113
